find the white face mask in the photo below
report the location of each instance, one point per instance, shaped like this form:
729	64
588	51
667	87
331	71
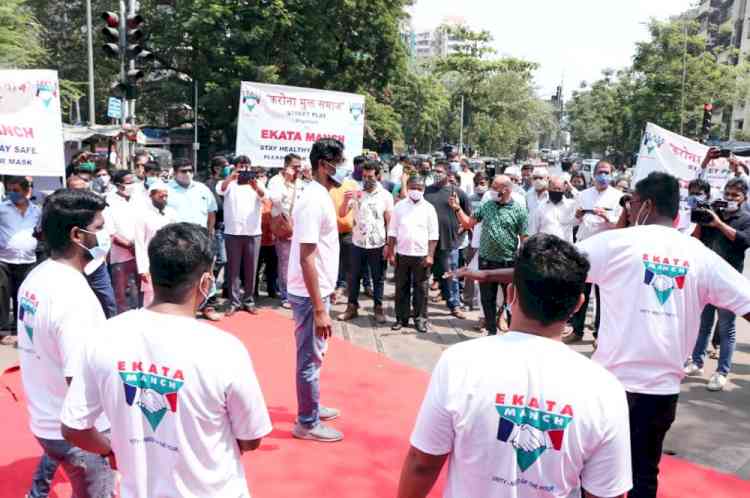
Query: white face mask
540	184
415	195
733	206
130	189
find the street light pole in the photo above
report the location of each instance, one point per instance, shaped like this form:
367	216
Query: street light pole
684	79
461	132
196	145
90	42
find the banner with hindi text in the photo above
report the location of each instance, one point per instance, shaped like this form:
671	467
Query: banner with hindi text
276	120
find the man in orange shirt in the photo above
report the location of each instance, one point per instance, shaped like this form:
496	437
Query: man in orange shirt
346	225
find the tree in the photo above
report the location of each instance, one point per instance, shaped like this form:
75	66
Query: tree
422	102
20	35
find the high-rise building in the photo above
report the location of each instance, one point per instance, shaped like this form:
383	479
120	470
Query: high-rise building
437	42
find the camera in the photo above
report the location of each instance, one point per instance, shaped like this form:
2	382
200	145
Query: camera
245	177
701	213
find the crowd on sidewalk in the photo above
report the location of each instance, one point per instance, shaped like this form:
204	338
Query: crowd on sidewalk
101	281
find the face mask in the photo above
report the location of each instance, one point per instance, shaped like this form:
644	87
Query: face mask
415	195
602	179
102	181
15	197
369	184
494	195
184	178
556	197
540	184
337	177
732	206
150	180
103	244
440	178
480	190
211	291
159	204
425	172
455	167
130	189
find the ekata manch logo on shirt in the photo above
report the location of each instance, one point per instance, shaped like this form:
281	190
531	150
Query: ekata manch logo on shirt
153	389
27	306
531	426
664	274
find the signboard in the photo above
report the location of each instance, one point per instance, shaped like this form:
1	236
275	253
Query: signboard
114	108
662	150
276	120
31	139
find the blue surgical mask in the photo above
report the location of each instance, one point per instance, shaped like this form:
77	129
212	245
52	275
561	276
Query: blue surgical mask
103	244
150	180
211	292
602	178
14	197
338	177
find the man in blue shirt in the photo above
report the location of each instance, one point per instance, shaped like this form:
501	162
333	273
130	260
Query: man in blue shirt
194	203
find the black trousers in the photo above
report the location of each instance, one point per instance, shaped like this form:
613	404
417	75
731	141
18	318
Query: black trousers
11	277
411	277
651	416
345	259
488	294
270	264
578	321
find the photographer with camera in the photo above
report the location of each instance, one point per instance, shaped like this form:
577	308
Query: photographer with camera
243	195
724	228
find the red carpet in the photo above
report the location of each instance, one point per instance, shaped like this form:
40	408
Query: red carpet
379	399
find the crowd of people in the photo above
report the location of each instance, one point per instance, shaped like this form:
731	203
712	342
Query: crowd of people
104	278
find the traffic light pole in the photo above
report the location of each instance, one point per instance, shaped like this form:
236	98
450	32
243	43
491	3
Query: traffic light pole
131	12
90	42
123	77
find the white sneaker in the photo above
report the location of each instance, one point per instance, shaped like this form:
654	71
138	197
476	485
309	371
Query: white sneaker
717	382
693	370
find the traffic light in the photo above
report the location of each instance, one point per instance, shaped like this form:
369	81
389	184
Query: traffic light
707	116
111	33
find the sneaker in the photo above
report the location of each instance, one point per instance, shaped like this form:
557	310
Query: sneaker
327	414
211	314
717	382
250	308
693	370
286	305
571	338
320	432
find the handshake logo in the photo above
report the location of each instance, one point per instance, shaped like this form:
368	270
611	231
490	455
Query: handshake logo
530	432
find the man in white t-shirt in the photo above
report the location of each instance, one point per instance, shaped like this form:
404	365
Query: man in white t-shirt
655	282
522	414
556	215
57	312
313	269
182	396
598	210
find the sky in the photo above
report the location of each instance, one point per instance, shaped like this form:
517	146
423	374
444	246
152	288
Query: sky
572	40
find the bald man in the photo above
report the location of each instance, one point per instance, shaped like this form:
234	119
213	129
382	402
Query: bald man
556	215
504	227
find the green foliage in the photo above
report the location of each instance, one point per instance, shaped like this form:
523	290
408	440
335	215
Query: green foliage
20	35
611	114
422	101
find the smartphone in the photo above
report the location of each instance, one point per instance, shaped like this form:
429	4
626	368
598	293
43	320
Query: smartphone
725	152
587	211
245	177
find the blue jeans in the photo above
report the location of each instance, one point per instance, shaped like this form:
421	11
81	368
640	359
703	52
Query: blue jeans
727	340
89	474
310	352
282	252
449	288
101	283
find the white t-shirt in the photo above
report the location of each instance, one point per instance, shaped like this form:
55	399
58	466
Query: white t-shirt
609	200
467	181
120	218
369	218
179	393
414	225
533	201
242	209
57	312
314	223
654	282
525	416
555	219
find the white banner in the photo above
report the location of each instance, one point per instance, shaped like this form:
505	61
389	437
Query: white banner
31	139
277	120
662	150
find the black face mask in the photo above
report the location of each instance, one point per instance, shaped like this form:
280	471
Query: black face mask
555	197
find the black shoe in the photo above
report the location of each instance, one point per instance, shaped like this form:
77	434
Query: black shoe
231	310
421	327
250	308
398	326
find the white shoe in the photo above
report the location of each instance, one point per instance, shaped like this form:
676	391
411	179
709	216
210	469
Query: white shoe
693	370
717	382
